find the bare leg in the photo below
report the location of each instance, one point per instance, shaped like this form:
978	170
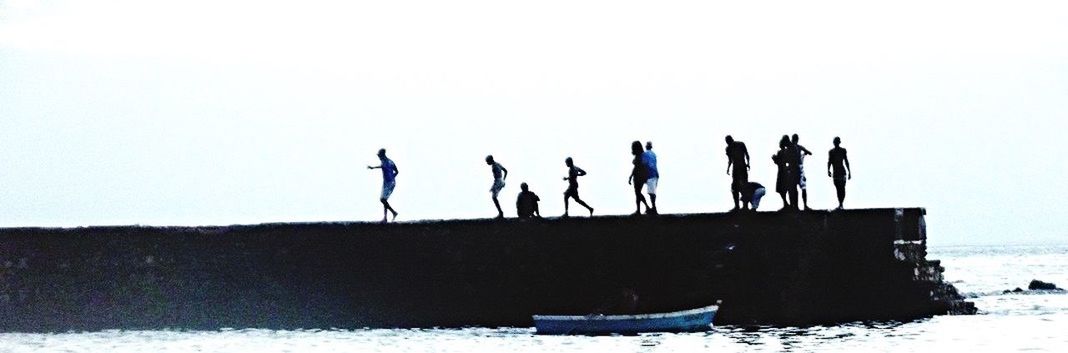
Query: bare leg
566	205
500	213
785	204
735	195
841	194
652	197
387	207
580	202
804	197
639	199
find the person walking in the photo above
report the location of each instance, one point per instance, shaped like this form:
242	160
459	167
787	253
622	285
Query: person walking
639	175
389	181
649	159
499	175
573	173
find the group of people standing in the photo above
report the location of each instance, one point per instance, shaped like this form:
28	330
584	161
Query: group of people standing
789	159
790	162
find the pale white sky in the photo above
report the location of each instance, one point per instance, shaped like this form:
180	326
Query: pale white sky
223	112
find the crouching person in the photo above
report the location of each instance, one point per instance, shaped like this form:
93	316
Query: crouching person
527	203
751	194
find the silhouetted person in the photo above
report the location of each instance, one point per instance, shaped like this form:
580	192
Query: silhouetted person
527	203
793	163
782	178
838	168
649	159
573	173
389	181
752	193
802	181
737	156
638	176
499	175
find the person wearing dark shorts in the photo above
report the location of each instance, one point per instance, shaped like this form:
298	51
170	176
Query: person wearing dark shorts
738	166
573	173
838	168
638	177
526	205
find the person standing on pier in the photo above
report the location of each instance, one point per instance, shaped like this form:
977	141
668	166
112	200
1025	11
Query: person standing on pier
649	159
783	175
499	175
838	168
389	181
527	203
737	156
638	177
802	181
573	173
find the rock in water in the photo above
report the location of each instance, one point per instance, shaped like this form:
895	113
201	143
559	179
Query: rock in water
1036	284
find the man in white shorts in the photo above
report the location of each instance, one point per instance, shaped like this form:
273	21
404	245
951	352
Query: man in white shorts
802	181
649	158
499	175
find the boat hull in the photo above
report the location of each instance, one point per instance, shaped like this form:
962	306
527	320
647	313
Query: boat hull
695	320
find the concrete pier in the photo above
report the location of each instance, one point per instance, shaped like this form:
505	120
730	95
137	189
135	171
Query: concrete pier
790	268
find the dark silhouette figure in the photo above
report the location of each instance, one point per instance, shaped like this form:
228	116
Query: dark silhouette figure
638	176
738	157
793	168
649	159
802	181
389	181
527	203
573	173
783	170
752	193
838	168
499	175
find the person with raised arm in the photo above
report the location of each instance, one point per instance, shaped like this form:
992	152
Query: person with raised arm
389	181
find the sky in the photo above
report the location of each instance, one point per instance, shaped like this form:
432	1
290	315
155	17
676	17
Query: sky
244	112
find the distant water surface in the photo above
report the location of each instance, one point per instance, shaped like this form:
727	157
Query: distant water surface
1033	322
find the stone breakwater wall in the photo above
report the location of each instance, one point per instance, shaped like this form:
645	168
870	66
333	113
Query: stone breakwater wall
798	268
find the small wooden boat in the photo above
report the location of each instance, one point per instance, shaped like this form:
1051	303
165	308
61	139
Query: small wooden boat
694	320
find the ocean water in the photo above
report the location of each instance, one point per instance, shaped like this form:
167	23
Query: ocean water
1031	321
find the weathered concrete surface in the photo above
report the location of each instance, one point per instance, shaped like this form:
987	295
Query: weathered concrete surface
773	268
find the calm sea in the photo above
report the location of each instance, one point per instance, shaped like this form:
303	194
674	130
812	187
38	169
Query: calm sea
1035	322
